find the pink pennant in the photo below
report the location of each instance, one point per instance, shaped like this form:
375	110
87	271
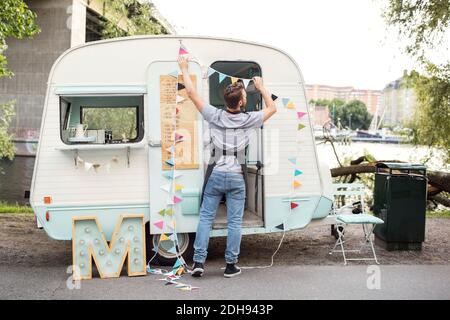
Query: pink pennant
182	50
178	137
159	224
176	199
300	114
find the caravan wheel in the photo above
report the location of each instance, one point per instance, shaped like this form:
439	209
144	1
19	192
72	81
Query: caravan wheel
166	258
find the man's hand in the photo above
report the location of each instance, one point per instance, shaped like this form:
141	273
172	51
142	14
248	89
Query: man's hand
183	62
270	108
257	81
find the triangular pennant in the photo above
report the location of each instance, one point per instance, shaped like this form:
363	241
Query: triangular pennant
234	79
171	149
172	224
300	126
297	172
178	187
294	205
274	97
177	199
172	250
174	74
290	105
169	212
166	187
280	226
300	114
87	165
172	174
170	162
180	86
162	212
159	224
180	99
164	237
178	137
296	184
285	101
182	50
246	82
180	271
221	77
211	71
293	160
177	264
173	237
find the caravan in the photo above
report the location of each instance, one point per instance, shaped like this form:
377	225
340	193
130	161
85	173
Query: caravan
108	123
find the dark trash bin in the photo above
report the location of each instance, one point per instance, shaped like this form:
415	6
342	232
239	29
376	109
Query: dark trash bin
400	196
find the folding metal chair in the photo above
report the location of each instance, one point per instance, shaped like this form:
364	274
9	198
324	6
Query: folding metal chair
354	213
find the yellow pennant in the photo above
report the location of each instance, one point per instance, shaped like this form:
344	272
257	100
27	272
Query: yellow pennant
178	187
290	105
296	184
180	271
164	237
233	79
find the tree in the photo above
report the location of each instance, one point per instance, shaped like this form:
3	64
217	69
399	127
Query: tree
17	21
352	114
130	17
424	25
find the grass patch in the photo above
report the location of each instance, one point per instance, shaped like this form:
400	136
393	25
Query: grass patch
14	208
438	214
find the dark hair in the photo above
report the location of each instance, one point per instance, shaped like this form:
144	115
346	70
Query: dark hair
233	94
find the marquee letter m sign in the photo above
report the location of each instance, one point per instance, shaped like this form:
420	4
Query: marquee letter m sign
88	241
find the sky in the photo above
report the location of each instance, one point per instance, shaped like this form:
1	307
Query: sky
335	42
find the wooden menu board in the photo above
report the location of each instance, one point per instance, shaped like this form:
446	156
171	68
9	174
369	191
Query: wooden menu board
184	121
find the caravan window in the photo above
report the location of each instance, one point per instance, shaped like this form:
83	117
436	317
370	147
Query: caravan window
101	120
238	69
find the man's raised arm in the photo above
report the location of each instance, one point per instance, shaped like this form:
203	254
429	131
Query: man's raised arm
190	89
270	108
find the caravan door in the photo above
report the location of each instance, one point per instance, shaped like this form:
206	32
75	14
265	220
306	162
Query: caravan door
167	118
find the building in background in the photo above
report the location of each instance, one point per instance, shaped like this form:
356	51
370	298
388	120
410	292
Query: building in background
371	98
63	24
398	103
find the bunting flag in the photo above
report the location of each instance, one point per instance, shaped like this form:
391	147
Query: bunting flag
178	187
294	205
293	160
300	114
174	74
234	80
171	149
285	101
172	250
211	71
173	237
169	212
297	172
170	162
177	264
164	237
178	137
296	184
222	77
171	174
166	187
246	82
162	212
179	99
280	226
180	271
87	166
182	50
300	126
290	105
180	86
159	224
274	97
177	199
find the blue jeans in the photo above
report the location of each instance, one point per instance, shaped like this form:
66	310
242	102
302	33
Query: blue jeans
230	184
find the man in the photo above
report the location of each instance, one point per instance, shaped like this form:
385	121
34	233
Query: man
225	175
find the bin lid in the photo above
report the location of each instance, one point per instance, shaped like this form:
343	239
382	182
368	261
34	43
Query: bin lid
401	166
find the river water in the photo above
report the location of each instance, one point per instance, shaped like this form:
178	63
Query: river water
16	176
